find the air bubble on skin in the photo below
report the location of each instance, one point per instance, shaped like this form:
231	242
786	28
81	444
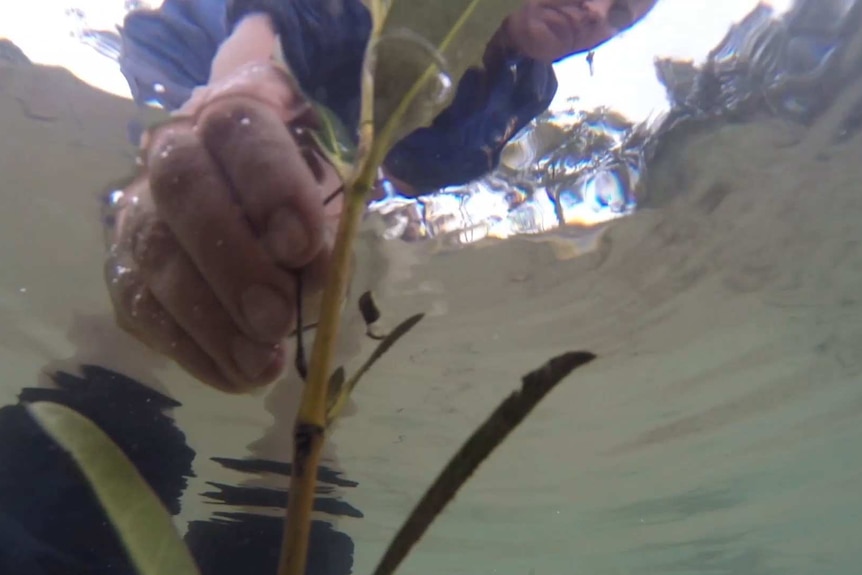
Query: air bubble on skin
136	304
115	197
22	290
159	88
119	272
245	121
166	151
444	87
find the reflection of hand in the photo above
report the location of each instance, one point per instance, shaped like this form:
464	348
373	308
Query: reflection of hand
206	238
549	30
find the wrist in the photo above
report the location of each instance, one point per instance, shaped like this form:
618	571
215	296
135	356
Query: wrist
253	39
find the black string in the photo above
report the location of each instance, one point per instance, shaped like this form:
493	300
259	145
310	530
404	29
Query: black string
299	361
333	195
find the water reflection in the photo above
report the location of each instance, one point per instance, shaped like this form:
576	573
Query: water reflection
583	167
58	526
788	66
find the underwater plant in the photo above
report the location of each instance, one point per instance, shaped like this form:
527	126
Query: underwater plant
416	53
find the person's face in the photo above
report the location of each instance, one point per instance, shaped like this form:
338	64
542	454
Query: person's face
552	29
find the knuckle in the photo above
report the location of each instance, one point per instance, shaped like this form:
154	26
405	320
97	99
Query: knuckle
138	313
247	131
128	299
151	244
123	283
125	323
175	159
225	118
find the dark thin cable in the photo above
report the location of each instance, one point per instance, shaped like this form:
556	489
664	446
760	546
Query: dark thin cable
333	195
299	361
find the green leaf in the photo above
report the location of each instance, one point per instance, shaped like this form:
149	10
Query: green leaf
334	141
331	137
341	390
423	50
143	524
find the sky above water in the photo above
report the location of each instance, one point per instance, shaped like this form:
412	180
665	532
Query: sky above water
623	74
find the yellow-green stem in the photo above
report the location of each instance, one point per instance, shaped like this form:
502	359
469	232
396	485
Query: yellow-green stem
309	433
311	418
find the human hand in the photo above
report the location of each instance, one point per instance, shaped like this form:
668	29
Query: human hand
207	239
549	30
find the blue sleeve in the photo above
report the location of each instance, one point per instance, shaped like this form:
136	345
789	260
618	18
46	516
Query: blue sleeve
166	53
465	141
324	44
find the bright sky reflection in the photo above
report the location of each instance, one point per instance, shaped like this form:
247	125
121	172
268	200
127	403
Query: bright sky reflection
624	78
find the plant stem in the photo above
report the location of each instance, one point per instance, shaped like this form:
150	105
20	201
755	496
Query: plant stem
311	418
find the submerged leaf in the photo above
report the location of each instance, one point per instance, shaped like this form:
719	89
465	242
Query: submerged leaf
334	391
331	136
423	50
143	524
343	389
333	140
370	315
514	409
368	308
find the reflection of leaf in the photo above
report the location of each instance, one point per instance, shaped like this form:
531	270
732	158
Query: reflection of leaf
514	409
423	50
334	141
143	524
338	402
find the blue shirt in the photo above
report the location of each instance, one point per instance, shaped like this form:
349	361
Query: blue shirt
166	53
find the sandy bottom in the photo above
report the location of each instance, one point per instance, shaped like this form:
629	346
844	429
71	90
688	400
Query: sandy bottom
718	432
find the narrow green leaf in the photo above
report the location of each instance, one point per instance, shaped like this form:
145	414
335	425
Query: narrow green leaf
334	141
334	392
341	390
142	522
423	50
332	137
